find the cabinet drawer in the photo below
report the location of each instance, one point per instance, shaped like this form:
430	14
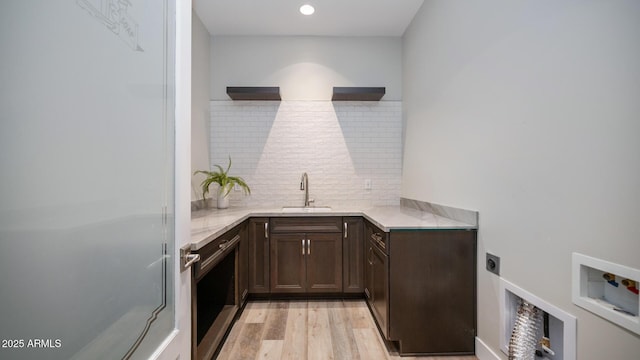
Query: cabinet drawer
214	251
377	235
306	224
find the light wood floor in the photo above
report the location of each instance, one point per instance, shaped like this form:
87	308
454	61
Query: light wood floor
309	330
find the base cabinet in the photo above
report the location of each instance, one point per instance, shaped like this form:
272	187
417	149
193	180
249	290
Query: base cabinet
306	255
422	291
420	285
288	266
217	289
258	257
432	291
306	263
243	264
324	263
377	286
353	255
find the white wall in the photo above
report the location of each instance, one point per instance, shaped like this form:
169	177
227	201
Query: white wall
200	69
528	112
306	68
339	145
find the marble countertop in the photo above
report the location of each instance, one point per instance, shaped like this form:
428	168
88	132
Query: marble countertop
207	225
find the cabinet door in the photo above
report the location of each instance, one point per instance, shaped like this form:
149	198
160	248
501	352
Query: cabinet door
368	272
243	264
380	289
368	261
324	262
353	251
288	270
433	286
258	255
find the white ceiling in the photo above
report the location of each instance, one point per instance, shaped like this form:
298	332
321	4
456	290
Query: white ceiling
282	17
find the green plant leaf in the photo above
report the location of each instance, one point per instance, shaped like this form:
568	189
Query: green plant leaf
221	172
220	177
228	167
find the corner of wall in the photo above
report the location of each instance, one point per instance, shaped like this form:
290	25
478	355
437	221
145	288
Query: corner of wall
484	352
200	94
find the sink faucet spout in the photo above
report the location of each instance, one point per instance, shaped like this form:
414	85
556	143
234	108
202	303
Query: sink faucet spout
304	185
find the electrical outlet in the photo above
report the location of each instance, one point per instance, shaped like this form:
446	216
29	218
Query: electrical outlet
367	184
236	187
493	264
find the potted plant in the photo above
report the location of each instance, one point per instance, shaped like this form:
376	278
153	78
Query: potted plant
225	184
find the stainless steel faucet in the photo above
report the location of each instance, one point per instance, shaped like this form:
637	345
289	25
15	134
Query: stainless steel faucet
304	185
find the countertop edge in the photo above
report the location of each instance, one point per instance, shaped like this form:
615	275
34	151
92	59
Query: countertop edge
237	216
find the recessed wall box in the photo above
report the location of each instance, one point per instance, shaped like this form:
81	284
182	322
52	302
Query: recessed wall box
562	325
607	289
254	92
358	93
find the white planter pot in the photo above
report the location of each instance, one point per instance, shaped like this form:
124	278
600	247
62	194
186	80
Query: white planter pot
223	200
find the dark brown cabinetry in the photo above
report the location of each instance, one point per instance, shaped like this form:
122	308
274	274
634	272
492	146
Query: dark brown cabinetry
258	258
306	255
420	285
288	268
422	291
353	255
218	283
376	276
243	264
324	262
432	287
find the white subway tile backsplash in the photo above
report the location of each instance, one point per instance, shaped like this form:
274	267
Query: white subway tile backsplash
338	144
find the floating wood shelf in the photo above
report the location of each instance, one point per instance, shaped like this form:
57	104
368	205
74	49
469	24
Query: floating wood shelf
358	93
254	92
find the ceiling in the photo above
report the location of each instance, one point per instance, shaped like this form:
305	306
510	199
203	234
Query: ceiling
331	18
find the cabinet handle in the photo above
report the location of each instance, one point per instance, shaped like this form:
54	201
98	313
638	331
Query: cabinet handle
302	247
346	229
266	230
369	257
187	258
224	243
308	247
378	239
191	259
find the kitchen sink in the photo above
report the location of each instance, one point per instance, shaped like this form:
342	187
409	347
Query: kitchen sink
310	209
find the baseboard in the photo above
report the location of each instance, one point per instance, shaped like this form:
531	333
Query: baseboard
484	352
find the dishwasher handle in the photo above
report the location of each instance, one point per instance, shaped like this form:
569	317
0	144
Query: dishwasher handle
187	259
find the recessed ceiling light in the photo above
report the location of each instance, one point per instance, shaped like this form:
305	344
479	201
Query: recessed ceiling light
307	9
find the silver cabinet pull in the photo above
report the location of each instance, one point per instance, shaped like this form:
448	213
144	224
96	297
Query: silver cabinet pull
346	229
266	230
303	247
308	247
224	243
377	237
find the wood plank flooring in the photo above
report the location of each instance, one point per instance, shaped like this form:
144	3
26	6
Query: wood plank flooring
310	330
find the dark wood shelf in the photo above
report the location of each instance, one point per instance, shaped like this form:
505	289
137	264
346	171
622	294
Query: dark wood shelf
358	93
254	92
